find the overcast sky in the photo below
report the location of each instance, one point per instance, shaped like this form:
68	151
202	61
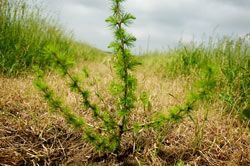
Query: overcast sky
159	23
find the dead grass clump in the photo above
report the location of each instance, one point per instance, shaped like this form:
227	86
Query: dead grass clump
29	134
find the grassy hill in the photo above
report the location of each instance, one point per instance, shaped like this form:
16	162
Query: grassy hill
25	35
215	133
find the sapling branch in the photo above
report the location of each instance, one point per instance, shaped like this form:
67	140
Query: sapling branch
83	93
56	104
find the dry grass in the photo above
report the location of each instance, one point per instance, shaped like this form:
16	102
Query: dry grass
30	135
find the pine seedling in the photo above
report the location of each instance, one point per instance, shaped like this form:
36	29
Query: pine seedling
106	134
111	126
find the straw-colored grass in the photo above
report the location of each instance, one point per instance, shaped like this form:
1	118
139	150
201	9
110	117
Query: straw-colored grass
31	135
